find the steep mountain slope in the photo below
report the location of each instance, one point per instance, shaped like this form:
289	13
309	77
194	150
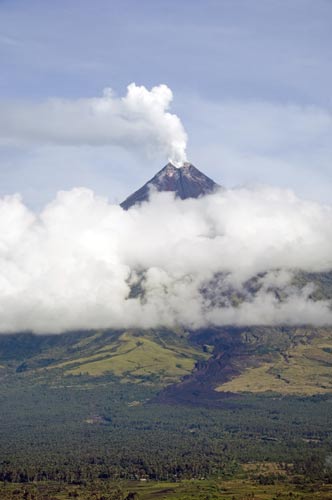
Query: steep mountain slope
285	360
198	367
185	182
148	357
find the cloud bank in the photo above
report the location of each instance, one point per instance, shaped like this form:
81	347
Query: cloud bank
227	258
139	121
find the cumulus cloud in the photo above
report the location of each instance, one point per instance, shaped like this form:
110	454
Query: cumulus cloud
227	258
139	121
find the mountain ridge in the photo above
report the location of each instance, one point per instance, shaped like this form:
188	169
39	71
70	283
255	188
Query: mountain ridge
186	182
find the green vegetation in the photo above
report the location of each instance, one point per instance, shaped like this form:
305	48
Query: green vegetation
84	416
150	357
139	357
257	481
303	368
104	429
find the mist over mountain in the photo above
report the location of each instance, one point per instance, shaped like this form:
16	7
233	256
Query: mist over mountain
193	255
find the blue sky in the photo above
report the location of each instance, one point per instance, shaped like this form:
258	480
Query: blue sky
251	81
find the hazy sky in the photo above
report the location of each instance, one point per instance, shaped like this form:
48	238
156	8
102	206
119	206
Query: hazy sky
251	81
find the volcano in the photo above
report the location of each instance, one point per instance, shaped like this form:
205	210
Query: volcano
186	182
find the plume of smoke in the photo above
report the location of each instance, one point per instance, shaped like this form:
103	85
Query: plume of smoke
76	264
139	121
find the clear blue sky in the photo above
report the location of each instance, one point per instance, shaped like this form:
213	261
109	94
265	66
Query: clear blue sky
251	80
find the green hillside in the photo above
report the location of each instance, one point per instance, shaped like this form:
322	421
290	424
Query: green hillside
305	367
140	357
286	360
149	357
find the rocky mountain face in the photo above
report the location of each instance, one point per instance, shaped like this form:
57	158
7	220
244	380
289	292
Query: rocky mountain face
186	182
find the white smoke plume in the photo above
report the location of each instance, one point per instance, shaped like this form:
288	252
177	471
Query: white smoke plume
139	121
75	265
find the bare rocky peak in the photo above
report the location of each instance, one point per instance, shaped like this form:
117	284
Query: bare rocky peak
186	182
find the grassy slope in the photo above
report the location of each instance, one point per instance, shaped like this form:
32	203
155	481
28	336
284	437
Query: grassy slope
158	357
305	367
135	356
256	359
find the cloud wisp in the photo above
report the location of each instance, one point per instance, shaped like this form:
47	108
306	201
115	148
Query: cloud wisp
83	263
140	122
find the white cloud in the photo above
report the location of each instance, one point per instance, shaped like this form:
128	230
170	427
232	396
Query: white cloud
72	266
139	121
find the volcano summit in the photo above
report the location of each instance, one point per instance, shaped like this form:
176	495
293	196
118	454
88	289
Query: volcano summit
186	182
